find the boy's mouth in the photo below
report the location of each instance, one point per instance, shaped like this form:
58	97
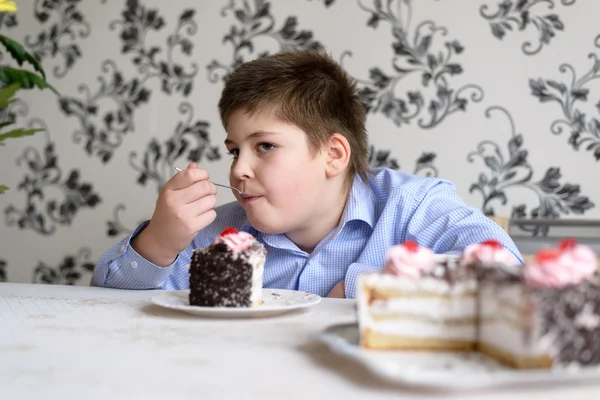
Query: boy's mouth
249	198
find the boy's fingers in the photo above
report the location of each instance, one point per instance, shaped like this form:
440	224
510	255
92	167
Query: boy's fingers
197	190
187	177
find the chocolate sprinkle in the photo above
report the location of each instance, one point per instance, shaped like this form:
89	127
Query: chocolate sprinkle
498	273
571	317
451	271
220	278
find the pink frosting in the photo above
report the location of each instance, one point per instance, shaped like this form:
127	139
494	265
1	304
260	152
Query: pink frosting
568	265
489	252
409	260
237	242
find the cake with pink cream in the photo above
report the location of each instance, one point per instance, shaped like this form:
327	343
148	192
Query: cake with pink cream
418	301
487	254
544	314
229	272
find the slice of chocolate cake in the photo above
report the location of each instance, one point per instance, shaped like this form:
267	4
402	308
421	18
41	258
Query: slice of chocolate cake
229	272
546	314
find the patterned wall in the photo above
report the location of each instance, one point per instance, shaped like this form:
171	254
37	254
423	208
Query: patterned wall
498	96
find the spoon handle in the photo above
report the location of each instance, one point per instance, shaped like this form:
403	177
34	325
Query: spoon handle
218	184
225	186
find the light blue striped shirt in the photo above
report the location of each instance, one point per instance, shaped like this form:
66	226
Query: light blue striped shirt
392	208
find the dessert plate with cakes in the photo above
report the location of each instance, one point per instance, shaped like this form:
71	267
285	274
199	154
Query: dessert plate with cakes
479	319
226	280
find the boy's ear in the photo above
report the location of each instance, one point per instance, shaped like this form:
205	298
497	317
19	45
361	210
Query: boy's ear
337	152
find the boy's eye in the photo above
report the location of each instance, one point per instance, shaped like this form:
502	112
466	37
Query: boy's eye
265	147
234	153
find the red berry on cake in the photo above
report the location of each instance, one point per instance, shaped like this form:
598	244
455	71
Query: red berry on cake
228	231
409	260
492	243
567	244
569	264
488	252
411	246
546	255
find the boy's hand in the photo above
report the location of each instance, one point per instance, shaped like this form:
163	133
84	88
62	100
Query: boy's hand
338	291
184	207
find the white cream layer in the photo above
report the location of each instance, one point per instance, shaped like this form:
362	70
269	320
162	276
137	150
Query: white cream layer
423	330
413	328
509	294
258	266
497	326
505	337
433	285
451	307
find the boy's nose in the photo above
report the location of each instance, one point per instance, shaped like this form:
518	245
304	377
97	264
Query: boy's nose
242	169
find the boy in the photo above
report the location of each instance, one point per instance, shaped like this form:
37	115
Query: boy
296	132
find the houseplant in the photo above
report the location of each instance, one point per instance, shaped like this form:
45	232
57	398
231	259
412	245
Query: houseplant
14	79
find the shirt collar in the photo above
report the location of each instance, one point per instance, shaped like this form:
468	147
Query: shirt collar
360	205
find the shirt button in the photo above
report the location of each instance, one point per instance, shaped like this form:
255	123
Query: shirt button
134	264
122	249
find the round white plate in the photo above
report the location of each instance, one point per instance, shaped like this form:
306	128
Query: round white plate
276	301
445	371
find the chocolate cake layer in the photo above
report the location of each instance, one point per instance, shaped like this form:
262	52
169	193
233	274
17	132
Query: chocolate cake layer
570	319
219	278
565	319
451	271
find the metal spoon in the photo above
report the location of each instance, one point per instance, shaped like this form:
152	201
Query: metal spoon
225	186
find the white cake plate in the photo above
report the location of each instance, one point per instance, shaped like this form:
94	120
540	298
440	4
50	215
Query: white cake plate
444	371
276	301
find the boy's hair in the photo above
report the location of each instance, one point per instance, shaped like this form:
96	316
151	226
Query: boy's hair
306	88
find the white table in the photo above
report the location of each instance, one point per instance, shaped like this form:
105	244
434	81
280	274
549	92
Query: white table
63	342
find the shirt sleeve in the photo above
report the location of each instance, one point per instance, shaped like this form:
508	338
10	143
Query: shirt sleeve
443	222
121	267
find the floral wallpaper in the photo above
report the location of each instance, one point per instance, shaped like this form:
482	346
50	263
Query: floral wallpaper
497	96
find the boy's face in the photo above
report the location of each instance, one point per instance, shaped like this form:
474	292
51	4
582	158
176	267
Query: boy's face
273	163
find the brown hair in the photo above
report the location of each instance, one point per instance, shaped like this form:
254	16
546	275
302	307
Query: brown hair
306	88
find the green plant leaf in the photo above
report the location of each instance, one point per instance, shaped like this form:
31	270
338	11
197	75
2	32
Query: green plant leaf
6	94
3	189
27	80
15	133
20	55
6	123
